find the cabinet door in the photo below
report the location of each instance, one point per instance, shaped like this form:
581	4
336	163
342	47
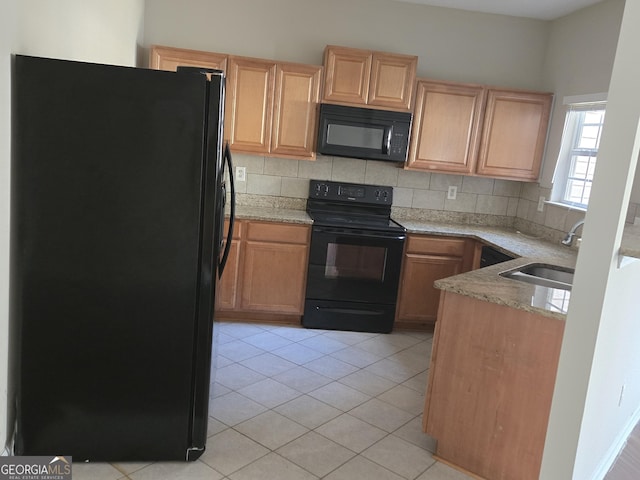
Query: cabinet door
250	84
347	75
418	299
297	92
445	134
169	58
514	134
227	287
392	79
274	277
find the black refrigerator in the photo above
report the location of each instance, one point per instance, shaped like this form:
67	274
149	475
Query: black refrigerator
117	213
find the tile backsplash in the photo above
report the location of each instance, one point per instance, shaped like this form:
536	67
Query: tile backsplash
417	195
284	183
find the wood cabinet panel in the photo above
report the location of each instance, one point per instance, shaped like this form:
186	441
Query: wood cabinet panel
169	58
514	134
226	296
392	80
250	85
491	382
297	93
428	244
266	273
227	287
364	77
418	299
347	75
274	277
429	258
446	127
278	232
475	130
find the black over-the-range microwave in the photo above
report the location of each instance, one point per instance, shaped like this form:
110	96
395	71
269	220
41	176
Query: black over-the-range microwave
363	133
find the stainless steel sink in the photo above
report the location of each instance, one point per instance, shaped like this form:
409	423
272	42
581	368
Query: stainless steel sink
552	276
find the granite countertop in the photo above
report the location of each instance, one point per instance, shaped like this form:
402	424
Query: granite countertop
272	214
485	283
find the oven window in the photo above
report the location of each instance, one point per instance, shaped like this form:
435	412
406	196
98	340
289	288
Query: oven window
355	261
353	136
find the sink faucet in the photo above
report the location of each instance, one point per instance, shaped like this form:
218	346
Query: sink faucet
568	239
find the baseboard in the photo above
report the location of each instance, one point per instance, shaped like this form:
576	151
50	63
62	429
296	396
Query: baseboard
616	448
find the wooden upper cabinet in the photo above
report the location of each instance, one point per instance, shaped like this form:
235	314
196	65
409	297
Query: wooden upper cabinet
271	107
347	74
446	127
514	135
364	77
249	105
475	130
169	58
297	93
392	80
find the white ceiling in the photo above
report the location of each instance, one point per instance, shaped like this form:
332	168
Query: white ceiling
541	9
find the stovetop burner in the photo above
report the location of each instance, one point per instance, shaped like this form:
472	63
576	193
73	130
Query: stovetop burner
351	205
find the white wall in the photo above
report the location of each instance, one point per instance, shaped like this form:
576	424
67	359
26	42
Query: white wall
84	30
89	30
590	417
451	44
578	61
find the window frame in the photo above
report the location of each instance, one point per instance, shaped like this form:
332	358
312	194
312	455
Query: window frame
576	107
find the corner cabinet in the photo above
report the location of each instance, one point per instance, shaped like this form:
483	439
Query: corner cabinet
429	258
367	78
474	130
266	275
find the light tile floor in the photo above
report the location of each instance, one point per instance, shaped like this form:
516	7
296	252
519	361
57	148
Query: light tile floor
291	403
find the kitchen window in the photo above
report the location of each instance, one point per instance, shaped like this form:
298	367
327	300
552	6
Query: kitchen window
578	153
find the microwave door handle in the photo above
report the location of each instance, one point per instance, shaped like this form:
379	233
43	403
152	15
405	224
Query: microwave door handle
387	142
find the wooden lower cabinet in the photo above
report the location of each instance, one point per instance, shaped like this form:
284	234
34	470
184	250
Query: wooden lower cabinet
266	273
427	259
227	286
491	382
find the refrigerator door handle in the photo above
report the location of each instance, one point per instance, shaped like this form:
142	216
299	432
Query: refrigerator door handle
232	212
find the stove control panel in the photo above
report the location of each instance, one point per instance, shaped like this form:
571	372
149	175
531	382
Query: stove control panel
351	192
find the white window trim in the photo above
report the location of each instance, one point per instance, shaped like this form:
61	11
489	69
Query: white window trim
563	164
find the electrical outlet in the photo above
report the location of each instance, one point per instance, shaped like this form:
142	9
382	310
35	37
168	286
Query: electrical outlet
241	174
541	201
452	193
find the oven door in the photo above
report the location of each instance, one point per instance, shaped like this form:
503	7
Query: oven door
354	265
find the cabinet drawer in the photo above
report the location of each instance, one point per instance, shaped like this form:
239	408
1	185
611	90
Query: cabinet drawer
436	245
271	232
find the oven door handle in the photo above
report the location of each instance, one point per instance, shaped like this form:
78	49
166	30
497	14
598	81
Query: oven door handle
360	233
